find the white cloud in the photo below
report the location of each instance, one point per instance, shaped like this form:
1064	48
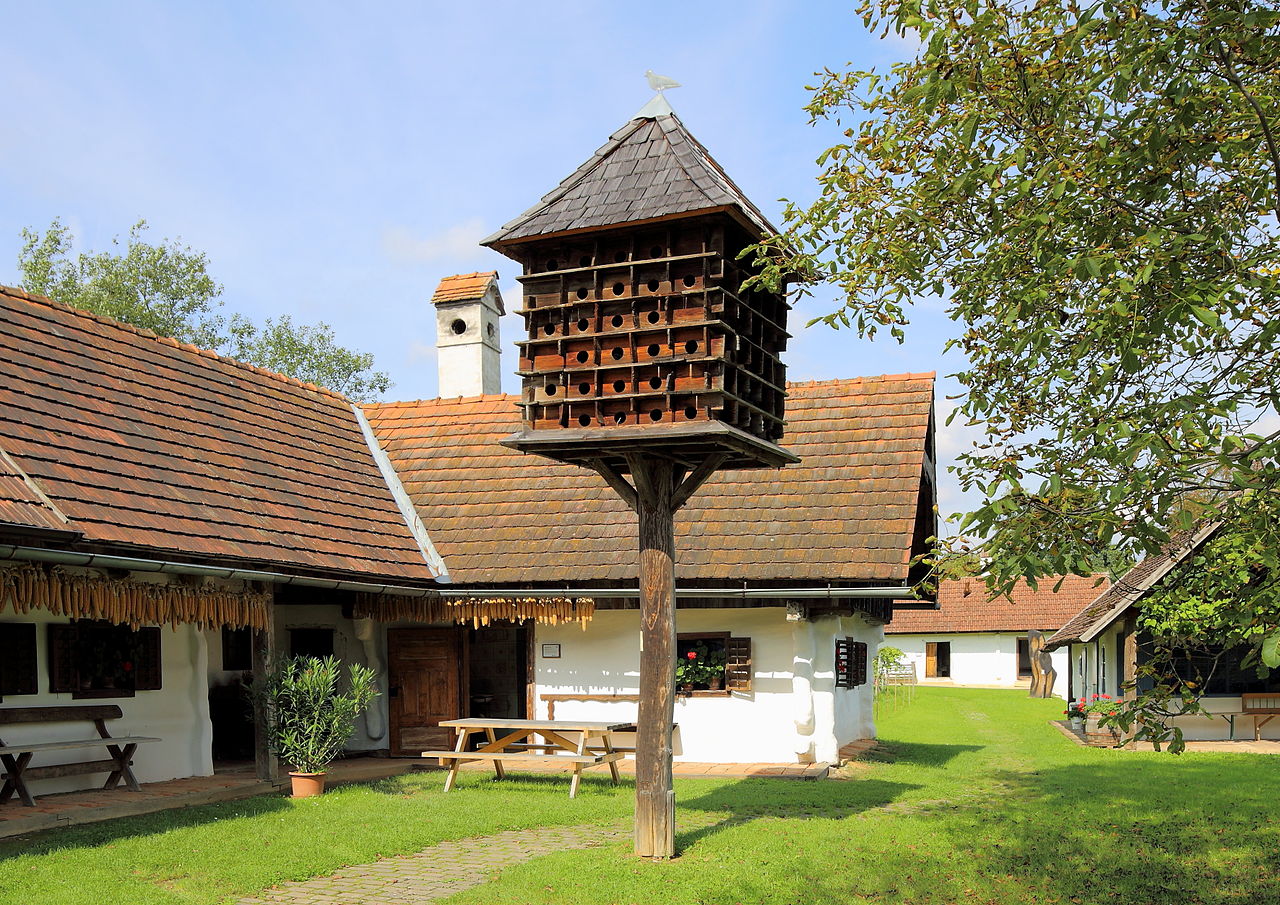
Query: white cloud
460	242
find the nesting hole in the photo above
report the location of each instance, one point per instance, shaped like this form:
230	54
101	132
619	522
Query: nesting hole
584	388
584	420
618	288
656	251
653	350
553	264
583	356
655	383
583	324
616	353
582	292
653	317
655	415
616	320
619	257
619	386
691	346
690	412
653	285
619	418
549	329
551	389
584	261
689	280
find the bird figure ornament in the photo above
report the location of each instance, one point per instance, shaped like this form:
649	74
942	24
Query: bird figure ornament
660	83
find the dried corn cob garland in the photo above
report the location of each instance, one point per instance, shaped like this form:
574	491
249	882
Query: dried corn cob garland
479	611
29	586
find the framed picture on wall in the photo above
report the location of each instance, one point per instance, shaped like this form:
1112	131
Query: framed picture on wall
551	651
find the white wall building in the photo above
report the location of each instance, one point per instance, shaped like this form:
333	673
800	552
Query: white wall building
969	639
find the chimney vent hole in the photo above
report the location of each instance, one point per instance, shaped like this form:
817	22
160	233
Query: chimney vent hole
459	326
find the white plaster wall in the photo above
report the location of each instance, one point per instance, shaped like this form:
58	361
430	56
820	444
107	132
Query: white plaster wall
178	713
757	726
978	658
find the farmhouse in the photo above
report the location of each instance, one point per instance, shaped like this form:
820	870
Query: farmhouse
1106	646
966	638
170	519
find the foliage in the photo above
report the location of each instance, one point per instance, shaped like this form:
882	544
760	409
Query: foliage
1077	710
700	664
309	717
888	658
1102	705
1091	192
166	288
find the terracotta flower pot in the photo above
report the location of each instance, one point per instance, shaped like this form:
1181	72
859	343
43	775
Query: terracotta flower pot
687	688
307	785
715	683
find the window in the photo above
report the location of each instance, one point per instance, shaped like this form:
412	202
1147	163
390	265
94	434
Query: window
237	649
93	659
311	642
1024	658
17	658
1220	672
937	659
712	664
851	663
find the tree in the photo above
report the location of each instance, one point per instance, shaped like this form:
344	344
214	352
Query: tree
1091	190
166	288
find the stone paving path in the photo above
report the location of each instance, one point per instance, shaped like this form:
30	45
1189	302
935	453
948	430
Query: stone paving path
438	871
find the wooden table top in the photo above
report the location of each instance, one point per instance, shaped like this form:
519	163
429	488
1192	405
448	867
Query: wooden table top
554	725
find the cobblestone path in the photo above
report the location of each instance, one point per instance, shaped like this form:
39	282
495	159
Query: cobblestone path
438	871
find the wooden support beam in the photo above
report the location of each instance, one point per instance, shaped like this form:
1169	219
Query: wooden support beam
689	486
263	648
655	798
615	480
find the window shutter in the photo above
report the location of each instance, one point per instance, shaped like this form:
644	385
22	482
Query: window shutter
62	657
859	664
737	669
18	658
146	666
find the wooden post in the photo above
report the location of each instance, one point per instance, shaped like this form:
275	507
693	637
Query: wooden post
655	799
263	647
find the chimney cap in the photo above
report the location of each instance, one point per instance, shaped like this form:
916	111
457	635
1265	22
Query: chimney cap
466	287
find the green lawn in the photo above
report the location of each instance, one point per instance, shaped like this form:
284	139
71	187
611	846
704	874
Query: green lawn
973	799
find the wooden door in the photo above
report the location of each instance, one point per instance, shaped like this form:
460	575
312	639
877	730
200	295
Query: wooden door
426	668
931	659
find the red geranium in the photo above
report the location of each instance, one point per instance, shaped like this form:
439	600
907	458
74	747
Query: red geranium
692	655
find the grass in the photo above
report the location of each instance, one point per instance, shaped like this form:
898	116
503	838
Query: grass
971	798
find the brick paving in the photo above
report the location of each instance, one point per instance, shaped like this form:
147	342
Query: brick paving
438	871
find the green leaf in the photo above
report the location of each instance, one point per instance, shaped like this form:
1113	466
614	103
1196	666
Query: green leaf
1271	650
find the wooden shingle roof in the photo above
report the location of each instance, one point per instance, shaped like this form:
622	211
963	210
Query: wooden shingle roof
964	606
848	513
650	168
1132	587
158	449
464	286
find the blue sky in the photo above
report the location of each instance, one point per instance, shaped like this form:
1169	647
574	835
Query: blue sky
336	160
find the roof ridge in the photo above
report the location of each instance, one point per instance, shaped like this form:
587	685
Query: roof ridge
35	298
921	375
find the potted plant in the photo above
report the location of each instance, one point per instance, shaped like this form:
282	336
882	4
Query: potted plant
688	671
310	716
1099	708
700	666
1076	712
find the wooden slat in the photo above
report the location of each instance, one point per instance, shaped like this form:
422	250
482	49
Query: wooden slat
498	755
555	725
78	743
59	714
55	771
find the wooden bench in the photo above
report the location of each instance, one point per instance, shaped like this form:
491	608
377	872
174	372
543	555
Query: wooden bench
1258	704
16	758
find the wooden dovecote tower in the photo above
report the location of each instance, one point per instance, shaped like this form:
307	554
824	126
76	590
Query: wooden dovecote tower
646	359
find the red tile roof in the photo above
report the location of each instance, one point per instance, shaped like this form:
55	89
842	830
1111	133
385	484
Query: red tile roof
963	606
464	286
20	501
847	513
155	448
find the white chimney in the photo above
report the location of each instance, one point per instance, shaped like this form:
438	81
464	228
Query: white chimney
469	347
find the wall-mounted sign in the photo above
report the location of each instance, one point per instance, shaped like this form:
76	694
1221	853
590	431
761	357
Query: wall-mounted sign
551	651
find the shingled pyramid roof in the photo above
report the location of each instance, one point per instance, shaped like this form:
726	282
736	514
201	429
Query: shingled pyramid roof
650	168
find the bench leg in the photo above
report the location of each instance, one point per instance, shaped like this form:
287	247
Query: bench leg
13	767
577	767
122	770
499	770
613	764
460	747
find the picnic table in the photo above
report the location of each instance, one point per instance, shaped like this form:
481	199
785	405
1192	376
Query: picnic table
513	741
